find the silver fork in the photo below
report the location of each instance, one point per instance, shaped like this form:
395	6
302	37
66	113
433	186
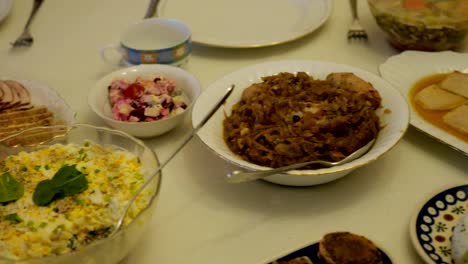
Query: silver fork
355	30
25	39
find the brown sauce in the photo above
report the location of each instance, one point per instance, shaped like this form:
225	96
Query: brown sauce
432	116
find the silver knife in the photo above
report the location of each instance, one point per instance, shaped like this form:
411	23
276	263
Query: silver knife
151	8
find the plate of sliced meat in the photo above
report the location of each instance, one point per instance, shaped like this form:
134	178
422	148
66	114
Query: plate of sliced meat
26	104
436	86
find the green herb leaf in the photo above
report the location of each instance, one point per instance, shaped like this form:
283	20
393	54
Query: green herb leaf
10	189
66	181
14	218
44	193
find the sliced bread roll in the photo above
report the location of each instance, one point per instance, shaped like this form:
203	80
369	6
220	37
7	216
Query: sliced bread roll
435	98
458	118
348	248
456	83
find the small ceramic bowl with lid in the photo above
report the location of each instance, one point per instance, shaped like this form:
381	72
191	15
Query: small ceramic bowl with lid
422	24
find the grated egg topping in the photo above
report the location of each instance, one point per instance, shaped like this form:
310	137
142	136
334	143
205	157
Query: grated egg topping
67	224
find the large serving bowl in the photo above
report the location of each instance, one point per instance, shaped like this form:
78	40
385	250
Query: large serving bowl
393	116
98	98
422	25
115	247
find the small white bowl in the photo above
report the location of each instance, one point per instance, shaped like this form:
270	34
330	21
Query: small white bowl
99	102
393	115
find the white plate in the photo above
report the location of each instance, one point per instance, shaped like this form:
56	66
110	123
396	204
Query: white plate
394	121
247	23
5	7
403	70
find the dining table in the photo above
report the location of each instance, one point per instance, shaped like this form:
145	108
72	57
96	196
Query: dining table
200	217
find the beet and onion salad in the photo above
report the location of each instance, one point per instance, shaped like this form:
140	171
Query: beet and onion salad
145	100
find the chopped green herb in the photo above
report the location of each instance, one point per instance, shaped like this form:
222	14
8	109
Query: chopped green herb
43	224
71	242
58	228
86	144
109	178
82	155
37	167
47	167
79	202
31	226
14	218
97	171
23	168
66	181
10	189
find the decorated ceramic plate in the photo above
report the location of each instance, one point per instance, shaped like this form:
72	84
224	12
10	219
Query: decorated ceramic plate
432	224
405	69
247	23
311	252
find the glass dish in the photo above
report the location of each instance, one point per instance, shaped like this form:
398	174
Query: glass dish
114	248
422	24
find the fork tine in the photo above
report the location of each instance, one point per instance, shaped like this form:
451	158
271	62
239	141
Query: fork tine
355	30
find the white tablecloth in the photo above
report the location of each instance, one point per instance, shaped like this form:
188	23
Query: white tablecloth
200	218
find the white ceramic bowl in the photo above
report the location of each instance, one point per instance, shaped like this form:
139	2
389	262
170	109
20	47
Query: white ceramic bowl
99	103
394	117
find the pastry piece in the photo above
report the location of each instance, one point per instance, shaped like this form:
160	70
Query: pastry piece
456	83
348	248
26	119
458	118
299	260
35	136
8	115
460	241
435	98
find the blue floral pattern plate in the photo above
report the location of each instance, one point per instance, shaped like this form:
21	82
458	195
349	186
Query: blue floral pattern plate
432	224
311	252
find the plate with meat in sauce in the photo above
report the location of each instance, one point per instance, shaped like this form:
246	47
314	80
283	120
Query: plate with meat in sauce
293	111
436	86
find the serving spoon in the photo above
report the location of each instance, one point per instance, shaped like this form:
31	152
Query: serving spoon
238	176
213	110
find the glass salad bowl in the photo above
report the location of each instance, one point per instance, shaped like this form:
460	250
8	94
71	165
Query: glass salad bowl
67	188
422	24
